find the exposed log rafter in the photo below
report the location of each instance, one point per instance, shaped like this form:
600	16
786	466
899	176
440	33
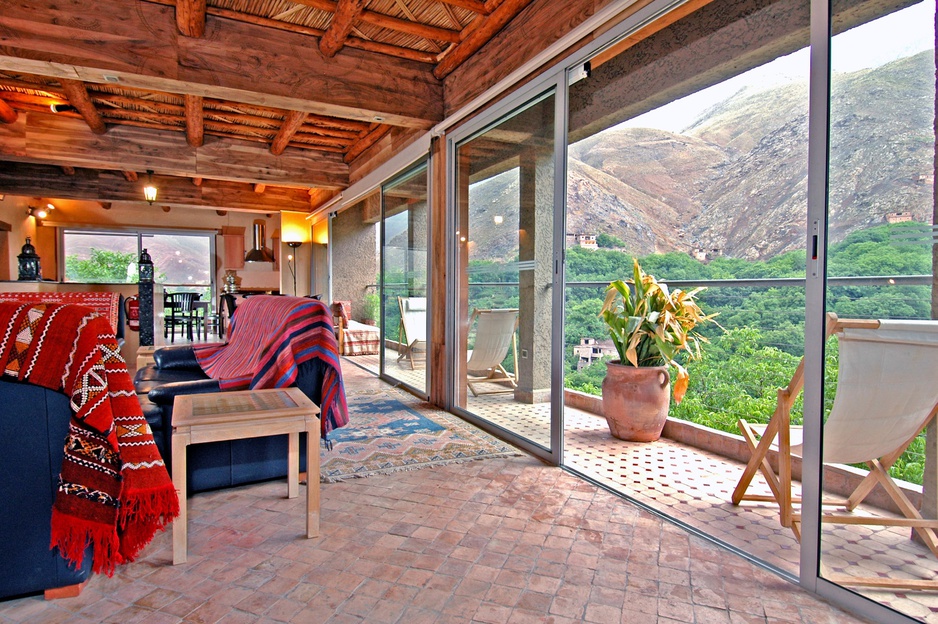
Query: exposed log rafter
347	12
190	17
7	114
195	121
479	36
291	124
78	97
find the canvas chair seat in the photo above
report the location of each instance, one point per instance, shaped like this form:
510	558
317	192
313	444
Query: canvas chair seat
412	328
885	397
495	335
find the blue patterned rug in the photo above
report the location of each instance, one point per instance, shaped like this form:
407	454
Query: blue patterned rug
394	431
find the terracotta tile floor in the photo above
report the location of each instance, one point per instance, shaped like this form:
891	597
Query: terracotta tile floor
694	487
496	541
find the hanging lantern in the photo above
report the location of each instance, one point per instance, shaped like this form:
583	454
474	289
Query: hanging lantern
29	263
145	267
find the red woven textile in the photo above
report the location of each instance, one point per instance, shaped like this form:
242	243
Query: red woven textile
114	491
270	337
107	304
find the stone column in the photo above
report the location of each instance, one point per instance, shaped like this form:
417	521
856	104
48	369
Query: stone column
535	275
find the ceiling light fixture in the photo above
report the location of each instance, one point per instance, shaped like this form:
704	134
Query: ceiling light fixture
150	190
62	108
39	213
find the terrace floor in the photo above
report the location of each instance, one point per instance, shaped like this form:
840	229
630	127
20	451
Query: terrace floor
694	487
501	541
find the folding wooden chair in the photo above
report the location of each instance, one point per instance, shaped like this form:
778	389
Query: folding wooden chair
886	395
495	334
413	328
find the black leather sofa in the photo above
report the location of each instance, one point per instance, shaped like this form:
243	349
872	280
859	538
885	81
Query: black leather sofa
216	464
33	426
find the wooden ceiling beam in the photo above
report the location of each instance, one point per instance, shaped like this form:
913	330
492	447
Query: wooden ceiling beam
391	23
291	123
346	14
130	176
143	49
55	139
7	114
195	121
78	97
34	180
476	6
352	42
190	17
365	142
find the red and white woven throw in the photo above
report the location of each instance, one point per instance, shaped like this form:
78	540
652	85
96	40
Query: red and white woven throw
107	304
114	492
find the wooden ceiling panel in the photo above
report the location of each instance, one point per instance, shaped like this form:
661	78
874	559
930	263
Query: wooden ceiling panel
218	88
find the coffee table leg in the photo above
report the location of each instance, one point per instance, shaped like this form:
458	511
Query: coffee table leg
180	524
293	465
312	476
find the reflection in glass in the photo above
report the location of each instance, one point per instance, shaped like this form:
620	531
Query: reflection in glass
404	278
504	233
881	246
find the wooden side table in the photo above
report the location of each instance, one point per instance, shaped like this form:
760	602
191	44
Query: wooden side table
199	418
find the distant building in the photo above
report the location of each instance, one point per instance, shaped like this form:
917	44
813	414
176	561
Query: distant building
898	217
591	349
587	241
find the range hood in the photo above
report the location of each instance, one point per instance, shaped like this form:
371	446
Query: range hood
258	252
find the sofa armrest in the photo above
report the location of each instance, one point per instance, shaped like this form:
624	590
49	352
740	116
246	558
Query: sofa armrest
166	393
176	358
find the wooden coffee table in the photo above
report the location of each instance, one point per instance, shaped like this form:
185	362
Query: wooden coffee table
199	418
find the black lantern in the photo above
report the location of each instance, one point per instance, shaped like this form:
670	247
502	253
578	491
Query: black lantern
145	265
29	263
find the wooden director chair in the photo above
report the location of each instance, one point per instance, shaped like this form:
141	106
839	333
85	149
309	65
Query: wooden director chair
495	335
886	395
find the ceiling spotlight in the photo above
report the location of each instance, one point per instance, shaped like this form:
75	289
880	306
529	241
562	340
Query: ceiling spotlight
39	213
150	191
63	108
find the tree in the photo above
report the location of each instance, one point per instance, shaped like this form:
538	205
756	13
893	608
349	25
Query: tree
102	266
609	241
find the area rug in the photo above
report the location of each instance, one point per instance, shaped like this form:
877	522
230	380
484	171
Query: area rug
392	431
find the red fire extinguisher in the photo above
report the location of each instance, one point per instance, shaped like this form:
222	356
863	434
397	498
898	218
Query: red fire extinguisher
132	311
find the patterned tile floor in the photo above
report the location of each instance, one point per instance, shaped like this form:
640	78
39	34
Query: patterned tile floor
695	486
496	541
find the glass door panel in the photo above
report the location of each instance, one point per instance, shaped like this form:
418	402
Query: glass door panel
405	317
880	368
688	152
504	235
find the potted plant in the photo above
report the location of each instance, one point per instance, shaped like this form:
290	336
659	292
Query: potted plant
650	326
371	308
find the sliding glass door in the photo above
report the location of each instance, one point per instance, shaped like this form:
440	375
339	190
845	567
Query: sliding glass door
877	464
505	201
405	315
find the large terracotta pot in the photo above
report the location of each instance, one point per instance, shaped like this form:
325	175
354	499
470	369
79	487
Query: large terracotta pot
636	401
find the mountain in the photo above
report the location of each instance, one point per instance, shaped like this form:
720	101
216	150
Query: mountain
735	181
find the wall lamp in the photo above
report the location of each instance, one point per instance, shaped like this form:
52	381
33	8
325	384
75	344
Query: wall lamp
150	190
40	212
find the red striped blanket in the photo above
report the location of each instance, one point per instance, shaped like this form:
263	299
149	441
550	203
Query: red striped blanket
114	491
270	337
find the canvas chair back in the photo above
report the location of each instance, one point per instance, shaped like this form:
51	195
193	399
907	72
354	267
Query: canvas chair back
494	332
886	390
413	319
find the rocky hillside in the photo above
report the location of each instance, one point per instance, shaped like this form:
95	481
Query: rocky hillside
736	180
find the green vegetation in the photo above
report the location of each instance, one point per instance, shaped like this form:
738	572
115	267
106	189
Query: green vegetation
607	241
101	267
760	337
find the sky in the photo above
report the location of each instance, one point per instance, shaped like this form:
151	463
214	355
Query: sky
904	33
